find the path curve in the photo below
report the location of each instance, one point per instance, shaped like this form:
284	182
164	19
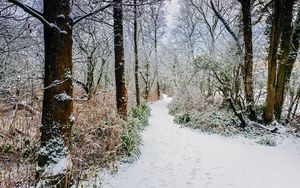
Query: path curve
174	157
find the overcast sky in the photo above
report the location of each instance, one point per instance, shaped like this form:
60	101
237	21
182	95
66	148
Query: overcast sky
172	8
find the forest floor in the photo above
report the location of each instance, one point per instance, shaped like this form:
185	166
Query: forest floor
175	157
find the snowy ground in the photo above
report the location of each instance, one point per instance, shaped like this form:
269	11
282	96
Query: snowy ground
174	157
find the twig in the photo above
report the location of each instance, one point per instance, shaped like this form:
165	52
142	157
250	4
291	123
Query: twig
91	14
35	14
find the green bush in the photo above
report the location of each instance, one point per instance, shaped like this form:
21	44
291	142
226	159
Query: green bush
211	121
183	118
175	109
131	139
131	135
267	141
141	112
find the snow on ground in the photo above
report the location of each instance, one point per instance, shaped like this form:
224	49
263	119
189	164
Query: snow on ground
174	157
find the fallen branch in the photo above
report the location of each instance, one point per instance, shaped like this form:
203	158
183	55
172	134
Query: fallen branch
255	124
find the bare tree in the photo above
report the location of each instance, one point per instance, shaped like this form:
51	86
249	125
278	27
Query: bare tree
121	91
248	57
136	57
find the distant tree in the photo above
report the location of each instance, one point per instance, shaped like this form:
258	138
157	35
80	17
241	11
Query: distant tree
93	45
156	27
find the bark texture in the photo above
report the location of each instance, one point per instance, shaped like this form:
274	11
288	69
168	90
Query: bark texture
276	31
248	57
289	47
136	60
57	118
285	49
121	91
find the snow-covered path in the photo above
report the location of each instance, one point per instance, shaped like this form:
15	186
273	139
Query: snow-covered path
174	157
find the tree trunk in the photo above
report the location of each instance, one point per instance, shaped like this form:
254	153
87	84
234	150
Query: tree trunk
294	102
285	50
136	70
98	84
121	91
272	59
248	58
147	81
158	90
289	46
156	62
57	117
90	77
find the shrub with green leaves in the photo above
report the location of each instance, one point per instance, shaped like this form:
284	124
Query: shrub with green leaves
131	139
183	118
131	135
141	112
175	109
267	141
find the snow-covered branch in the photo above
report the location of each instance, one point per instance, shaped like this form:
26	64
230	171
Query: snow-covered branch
235	37
35	14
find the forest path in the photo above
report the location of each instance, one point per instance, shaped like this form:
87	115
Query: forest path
174	157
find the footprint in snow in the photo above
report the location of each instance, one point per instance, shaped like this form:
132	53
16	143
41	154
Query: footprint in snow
170	166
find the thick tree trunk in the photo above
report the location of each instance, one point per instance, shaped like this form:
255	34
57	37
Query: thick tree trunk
57	117
272	59
285	50
289	47
248	58
121	91
136	60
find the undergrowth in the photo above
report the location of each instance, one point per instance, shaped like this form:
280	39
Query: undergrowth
267	141
131	135
214	117
204	115
183	118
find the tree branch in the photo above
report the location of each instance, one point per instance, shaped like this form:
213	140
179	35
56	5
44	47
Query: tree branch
91	14
35	14
235	37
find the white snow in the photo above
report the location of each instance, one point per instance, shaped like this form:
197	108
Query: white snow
59	167
174	157
63	32
61	16
63	97
72	118
59	160
52	25
56	82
